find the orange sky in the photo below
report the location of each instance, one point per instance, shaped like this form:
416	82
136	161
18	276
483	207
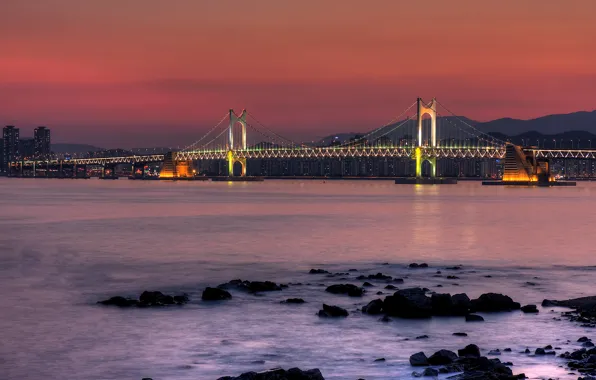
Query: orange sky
151	72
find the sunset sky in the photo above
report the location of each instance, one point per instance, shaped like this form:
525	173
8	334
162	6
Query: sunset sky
162	72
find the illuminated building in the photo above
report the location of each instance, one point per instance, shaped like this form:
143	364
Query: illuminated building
41	135
523	166
10	151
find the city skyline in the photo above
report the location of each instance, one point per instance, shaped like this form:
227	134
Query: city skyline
152	72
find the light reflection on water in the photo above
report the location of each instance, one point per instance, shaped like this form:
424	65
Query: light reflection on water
66	244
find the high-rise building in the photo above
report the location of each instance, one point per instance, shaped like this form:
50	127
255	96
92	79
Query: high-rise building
10	137
42	141
1	156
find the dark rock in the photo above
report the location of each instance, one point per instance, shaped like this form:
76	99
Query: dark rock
507	350
441	304
584	305
318	271
180	300
494	302
279	374
452	278
529	309
460	334
119	301
583	339
380	360
422	337
215	294
430	372
385	319
349	289
251	286
457	267
367	284
378	276
471	350
332	311
352	270
442	357
474	318
461	304
416	265
155	298
540	351
374	307
379	293
419	360
390	287
293	300
408	303
494	352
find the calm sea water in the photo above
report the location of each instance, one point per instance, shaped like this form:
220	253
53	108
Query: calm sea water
65	244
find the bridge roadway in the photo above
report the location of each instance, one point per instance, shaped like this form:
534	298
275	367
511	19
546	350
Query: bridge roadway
326	152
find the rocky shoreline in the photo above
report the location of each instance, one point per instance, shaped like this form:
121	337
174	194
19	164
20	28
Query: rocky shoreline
406	303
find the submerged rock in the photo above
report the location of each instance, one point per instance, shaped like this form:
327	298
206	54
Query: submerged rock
279	374
332	311
408	303
349	289
293	300
252	286
378	276
474	318
494	302
529	309
442	357
119	301
374	307
147	299
215	294
418	359
471	350
318	271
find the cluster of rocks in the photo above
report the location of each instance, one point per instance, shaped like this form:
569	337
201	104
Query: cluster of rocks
416	265
378	276
279	374
468	361
583	360
147	299
349	289
414	303
584	309
252	286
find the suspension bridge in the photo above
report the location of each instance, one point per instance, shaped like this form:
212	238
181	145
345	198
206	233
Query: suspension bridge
424	132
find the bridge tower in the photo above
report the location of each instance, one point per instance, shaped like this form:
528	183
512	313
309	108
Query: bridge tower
232	158
431	110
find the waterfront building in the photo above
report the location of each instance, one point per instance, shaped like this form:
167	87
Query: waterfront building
10	145
42	148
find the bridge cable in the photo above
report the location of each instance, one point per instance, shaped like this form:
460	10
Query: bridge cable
471	126
207	134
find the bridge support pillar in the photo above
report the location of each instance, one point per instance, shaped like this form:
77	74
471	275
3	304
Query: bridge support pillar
232	160
420	161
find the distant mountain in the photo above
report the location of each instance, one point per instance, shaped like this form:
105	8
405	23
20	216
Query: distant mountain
546	125
74	148
577	125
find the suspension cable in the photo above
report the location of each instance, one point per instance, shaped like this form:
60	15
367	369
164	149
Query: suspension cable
204	136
